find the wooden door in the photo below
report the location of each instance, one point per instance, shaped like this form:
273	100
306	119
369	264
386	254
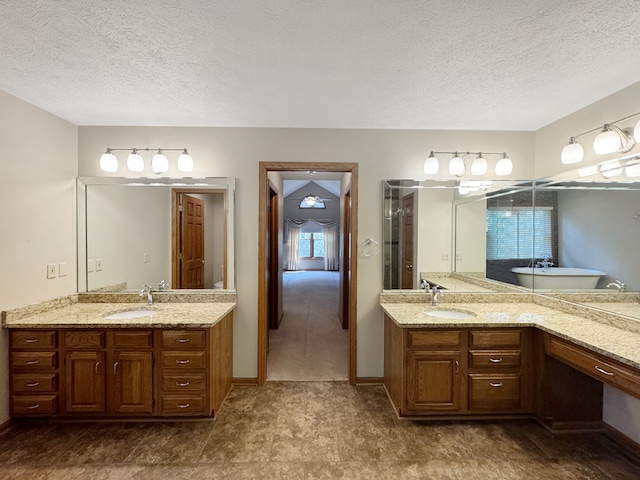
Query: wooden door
273	261
85	382
346	261
192	242
408	241
132	389
433	381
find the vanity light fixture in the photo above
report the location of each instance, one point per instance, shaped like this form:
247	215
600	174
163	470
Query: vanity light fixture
479	166
611	169
611	139
633	168
136	163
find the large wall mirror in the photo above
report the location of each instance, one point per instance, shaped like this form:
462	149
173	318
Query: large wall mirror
133	232
574	236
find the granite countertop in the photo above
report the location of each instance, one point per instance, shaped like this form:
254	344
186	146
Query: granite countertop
617	343
93	315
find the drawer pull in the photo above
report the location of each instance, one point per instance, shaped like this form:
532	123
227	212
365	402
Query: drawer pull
115	368
184	405
457	366
185	384
604	372
496	384
182	340
32	362
495	360
33	384
182	362
31	340
33	407
97	365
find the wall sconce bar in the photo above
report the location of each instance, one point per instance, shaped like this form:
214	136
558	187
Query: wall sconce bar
135	162
504	166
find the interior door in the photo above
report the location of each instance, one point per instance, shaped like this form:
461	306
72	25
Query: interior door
192	242
346	261
273	261
408	241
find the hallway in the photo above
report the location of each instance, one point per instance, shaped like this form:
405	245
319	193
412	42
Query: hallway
310	344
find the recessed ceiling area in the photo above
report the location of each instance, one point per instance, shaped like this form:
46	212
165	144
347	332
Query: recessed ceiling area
409	64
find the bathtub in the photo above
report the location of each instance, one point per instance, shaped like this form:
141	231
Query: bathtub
557	278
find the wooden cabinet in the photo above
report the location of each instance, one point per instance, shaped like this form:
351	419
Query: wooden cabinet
120	372
439	371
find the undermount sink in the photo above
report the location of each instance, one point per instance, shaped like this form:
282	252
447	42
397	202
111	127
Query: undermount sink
450	314
128	314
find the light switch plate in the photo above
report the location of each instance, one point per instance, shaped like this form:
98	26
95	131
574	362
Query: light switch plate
98	264
145	257
63	269
52	270
459	256
444	256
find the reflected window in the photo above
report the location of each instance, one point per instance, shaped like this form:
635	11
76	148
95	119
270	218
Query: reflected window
509	233
311	245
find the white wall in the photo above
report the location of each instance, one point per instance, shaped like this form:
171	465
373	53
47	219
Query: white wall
37	218
235	152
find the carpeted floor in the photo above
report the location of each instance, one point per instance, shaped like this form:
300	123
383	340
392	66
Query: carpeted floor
310	344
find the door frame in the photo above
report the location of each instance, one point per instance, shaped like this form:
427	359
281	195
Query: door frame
263	193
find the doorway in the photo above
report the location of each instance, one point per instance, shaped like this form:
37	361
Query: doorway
347	274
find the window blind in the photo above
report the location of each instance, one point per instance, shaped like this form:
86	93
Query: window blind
509	233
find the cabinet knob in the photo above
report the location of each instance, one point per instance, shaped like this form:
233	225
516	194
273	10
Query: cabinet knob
185	384
97	365
33	407
182	340
115	368
457	366
184	405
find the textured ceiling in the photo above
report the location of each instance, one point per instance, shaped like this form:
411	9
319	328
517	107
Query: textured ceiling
433	64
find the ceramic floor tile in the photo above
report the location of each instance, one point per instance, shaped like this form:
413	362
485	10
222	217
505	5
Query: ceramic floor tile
341	470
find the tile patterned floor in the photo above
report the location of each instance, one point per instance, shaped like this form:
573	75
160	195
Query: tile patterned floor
307	430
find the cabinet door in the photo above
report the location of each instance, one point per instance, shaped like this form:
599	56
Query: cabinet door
132	390
433	381
85	382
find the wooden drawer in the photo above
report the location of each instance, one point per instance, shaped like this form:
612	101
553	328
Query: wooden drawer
184	383
34	360
494	338
184	360
34	382
597	366
494	392
84	338
34	339
435	338
494	358
34	405
183	339
133	339
183	405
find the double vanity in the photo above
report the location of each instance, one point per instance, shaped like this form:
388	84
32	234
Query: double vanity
109	356
506	354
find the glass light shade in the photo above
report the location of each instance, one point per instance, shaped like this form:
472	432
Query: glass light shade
588	171
431	165
572	153
636	132
633	168
135	162
185	162
504	166
611	169
608	141
479	166
456	166
108	162
159	163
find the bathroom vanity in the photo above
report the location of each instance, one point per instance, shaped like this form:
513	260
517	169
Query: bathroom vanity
76	361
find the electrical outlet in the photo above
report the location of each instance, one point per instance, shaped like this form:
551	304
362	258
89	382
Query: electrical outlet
52	270
444	256
98	264
145	257
459	256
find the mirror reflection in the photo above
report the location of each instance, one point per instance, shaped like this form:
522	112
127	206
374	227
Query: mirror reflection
145	231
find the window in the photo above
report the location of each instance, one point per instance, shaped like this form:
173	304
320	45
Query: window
311	245
509	233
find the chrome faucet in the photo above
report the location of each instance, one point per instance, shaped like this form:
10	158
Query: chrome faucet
622	287
148	291
435	293
163	285
546	262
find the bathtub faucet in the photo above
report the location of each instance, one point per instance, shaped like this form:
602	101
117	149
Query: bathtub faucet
622	287
546	262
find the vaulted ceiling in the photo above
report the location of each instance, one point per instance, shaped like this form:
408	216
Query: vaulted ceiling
415	64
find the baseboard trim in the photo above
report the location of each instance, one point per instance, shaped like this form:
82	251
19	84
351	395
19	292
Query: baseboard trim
369	380
630	447
5	426
244	381
572	427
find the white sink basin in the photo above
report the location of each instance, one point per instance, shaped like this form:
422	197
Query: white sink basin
450	314
130	314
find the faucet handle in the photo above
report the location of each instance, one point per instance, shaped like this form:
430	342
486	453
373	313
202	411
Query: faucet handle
163	284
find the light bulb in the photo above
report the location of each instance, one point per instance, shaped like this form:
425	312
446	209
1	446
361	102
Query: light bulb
135	162
456	166
479	165
607	141
108	162
572	152
431	165
159	163
504	165
185	162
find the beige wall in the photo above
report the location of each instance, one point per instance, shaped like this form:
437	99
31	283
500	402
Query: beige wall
37	218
